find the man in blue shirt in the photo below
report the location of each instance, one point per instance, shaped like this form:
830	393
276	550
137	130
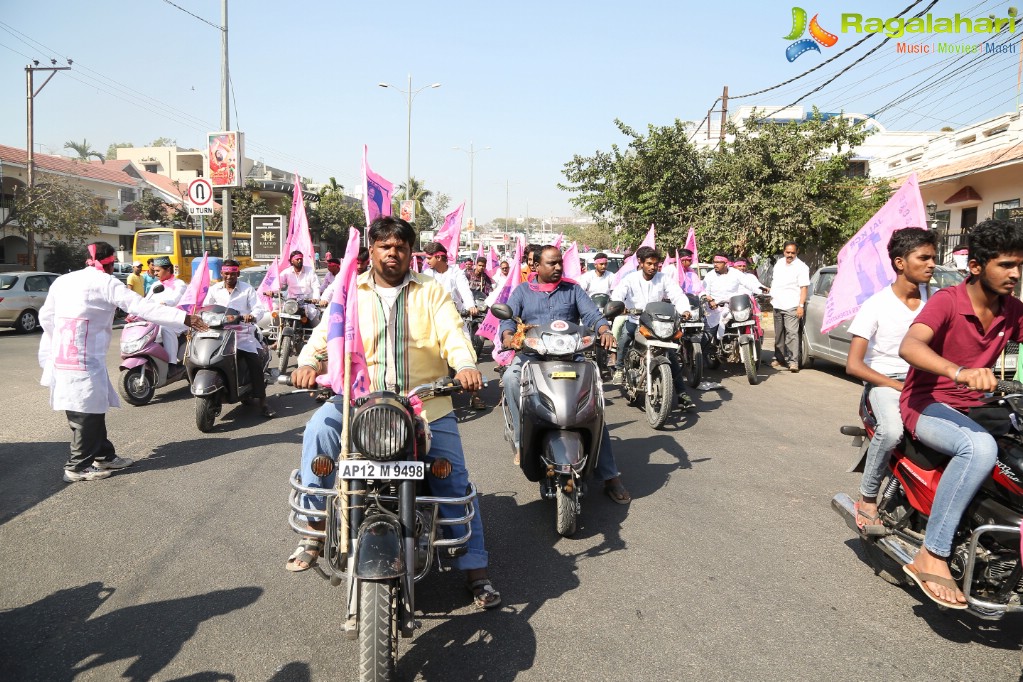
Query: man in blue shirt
544	299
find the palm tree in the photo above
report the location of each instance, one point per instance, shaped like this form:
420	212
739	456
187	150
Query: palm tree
419	194
83	149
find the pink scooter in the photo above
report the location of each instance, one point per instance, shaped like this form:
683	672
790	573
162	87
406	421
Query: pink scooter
145	365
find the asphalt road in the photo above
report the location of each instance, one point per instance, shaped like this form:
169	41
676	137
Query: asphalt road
729	563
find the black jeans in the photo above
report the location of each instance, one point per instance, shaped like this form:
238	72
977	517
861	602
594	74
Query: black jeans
255	366
88	440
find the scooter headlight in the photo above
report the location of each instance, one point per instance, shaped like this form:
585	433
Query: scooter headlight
132	347
561	344
662	329
741	315
213	319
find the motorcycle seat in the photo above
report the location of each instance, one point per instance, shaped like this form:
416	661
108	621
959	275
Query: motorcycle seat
924	457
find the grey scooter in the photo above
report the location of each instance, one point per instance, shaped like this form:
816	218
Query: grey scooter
561	413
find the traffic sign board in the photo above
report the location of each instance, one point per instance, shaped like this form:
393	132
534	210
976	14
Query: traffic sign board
200	192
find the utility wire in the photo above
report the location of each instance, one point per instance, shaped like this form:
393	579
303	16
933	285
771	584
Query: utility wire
216	26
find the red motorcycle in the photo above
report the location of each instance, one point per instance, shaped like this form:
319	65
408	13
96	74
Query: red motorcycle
985	559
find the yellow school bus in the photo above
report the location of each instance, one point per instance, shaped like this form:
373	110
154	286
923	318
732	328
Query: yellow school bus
181	246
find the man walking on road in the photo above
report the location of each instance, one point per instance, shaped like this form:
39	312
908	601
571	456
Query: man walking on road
135	282
789	286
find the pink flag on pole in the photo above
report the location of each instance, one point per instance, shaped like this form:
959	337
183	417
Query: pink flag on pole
493	262
450	234
299	237
270	284
343	335
377	200
691	244
479	251
195	294
557	240
488	327
863	264
631	263
571	269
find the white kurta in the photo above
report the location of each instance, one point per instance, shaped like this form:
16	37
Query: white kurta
76	320
635	291
301	285
245	300
455	283
721	288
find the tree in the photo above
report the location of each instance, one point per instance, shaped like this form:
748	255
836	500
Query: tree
164	142
65	257
83	149
335	212
419	194
114	146
436	206
149	207
245	203
57	209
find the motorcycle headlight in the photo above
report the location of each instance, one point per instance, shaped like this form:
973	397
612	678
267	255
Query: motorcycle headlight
380	430
290	307
662	329
561	344
741	315
584	343
213	319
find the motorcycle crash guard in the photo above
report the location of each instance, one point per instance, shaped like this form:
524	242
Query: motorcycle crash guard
746	338
207	382
379	555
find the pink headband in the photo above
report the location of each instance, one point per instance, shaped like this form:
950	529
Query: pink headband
230	268
599	260
739	262
719	259
98	264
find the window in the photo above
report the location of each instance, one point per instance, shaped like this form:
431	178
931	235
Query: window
823	286
969	219
7	282
856	169
150	167
241	247
37	283
942	218
997	130
1002	209
963	141
154	244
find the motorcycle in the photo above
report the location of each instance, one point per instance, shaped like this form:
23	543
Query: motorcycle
145	365
597	353
690	353
382	525
561	413
473	322
290	327
743	337
216	375
985	557
647	364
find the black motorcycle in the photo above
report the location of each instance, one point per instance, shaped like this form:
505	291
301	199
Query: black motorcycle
291	327
743	337
473	322
597	352
690	352
383	526
211	360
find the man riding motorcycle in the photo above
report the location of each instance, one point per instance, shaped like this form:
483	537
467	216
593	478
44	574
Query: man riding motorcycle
302	284
545	299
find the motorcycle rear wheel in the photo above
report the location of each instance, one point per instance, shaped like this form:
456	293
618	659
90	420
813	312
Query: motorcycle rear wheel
568	510
136	386
692	364
286	344
205	412
378	630
660	397
746	353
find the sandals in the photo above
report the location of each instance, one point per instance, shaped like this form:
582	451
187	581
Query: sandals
617	492
484	596
921	579
873	527
302	554
268	412
477	403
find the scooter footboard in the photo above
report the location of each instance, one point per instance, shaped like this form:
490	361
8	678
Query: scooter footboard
982	604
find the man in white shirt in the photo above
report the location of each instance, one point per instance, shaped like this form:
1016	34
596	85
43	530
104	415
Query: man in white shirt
169	295
598	280
690	279
749	279
877	332
302	283
647	285
330	286
240	296
789	285
719	285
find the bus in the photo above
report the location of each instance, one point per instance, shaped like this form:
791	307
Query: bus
182	245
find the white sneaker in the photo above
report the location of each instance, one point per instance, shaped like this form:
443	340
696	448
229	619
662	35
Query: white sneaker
618	377
115	463
87	474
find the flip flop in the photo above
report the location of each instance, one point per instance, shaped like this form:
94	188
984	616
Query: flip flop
302	554
873	529
268	412
921	579
617	493
484	596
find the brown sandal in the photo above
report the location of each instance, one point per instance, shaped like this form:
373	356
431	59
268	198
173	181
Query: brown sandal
921	579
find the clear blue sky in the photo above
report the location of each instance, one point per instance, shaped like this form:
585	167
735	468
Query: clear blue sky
535	81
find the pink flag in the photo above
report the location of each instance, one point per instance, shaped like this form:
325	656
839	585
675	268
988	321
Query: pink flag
571	269
195	294
489	325
493	262
378	191
863	264
270	284
691	244
299	238
479	251
415	264
343	335
631	264
450	234
557	240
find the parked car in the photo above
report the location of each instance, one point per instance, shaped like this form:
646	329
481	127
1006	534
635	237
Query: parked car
22	294
122	270
834	346
614	260
254	277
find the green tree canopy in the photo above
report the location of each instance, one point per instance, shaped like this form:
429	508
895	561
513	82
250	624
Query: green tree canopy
164	142
58	209
114	146
83	149
335	213
148	207
420	195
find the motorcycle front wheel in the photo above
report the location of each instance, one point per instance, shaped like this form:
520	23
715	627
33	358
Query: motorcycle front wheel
568	510
286	345
205	412
660	397
746	353
136	386
692	363
378	630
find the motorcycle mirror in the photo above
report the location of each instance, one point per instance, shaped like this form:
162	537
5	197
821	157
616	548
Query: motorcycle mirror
158	289
502	311
613	309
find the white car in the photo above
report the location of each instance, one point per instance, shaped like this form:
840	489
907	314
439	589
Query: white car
22	294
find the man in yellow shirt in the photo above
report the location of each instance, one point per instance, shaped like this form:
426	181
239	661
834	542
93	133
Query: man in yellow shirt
412	334
135	282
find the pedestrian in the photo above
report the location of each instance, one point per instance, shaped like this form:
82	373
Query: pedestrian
76	320
789	285
149	277
135	282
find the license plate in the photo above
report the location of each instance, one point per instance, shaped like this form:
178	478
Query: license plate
207	335
563	375
362	469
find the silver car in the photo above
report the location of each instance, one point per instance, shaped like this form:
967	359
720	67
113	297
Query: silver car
834	345
22	294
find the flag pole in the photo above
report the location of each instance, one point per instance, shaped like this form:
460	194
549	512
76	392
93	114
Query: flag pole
346	410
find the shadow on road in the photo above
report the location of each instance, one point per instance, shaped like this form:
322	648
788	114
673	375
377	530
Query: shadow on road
32	473
296	671
633	455
55	638
185	452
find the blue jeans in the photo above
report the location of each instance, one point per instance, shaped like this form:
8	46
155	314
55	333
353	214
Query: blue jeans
885	402
625	340
323	436
973	452
605	468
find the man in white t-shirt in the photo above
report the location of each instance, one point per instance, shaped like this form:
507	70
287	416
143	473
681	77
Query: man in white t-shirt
789	285
877	332
598	280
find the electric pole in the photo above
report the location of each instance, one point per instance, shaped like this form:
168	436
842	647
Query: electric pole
30	94
225	122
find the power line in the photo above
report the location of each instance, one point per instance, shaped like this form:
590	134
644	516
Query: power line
216	26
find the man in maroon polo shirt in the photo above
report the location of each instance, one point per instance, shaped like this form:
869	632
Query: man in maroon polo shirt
951	347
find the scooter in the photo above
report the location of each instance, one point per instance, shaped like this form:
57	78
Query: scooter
561	413
145	365
985	559
216	375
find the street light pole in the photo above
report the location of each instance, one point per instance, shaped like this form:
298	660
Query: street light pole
472	152
409	95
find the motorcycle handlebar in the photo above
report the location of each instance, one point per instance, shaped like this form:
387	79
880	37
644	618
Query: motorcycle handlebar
1009	387
442	386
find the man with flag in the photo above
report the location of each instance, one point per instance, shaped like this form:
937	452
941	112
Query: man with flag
302	284
411	334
